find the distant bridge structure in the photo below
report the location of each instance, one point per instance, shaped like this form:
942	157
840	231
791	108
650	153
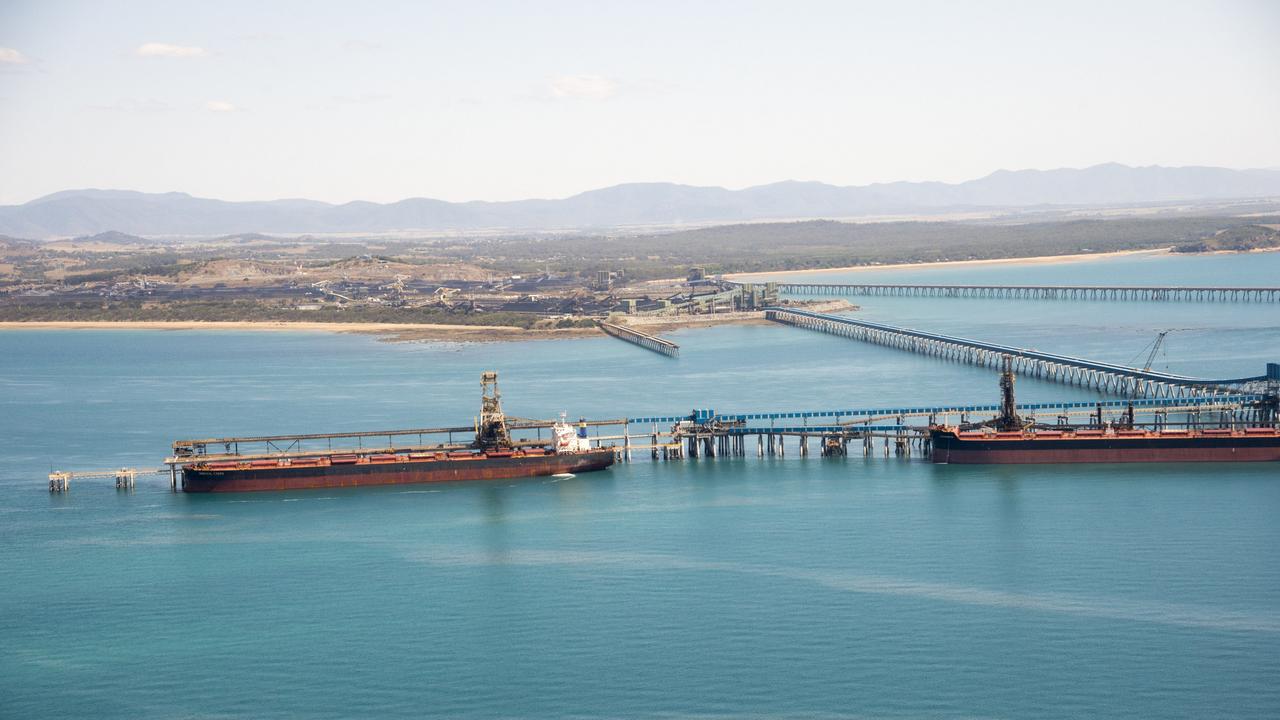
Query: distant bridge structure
1106	377
1040	292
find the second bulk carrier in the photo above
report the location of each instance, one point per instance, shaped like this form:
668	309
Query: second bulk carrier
1011	439
493	455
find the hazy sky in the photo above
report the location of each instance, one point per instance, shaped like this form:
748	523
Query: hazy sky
469	100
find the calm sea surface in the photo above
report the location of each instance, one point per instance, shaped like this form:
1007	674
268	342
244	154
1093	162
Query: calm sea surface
765	588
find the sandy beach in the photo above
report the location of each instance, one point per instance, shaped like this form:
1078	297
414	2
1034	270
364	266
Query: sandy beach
403	332
1038	260
394	331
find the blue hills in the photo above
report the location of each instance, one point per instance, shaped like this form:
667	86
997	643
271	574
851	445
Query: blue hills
87	212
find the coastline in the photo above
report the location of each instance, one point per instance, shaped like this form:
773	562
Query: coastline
394	331
1035	260
442	332
409	332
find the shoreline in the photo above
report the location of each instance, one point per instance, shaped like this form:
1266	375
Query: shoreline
441	332
231	325
388	332
393	331
409	332
1033	260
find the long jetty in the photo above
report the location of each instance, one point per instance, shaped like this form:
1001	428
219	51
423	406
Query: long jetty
867	416
644	340
710	434
1041	292
1107	377
706	433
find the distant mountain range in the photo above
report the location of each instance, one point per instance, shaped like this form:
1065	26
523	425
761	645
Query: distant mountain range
86	212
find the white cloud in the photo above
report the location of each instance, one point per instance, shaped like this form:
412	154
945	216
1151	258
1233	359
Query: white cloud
9	56
221	106
588	87
154	49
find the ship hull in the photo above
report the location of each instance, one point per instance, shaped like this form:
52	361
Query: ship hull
200	480
948	448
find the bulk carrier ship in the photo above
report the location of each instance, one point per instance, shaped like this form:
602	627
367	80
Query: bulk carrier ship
1010	439
493	455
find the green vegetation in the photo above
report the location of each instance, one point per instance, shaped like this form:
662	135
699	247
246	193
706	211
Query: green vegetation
1237	239
250	311
125	273
28	294
824	244
564	323
729	248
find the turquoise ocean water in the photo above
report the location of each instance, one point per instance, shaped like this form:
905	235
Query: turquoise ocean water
782	587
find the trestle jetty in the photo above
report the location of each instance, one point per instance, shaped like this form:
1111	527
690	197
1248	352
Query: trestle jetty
1169	293
659	345
1105	377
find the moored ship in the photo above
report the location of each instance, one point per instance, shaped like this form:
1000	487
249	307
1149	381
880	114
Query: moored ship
493	455
1010	439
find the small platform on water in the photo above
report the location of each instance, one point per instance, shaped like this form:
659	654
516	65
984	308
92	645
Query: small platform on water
125	478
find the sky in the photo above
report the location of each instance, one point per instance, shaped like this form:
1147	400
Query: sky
379	101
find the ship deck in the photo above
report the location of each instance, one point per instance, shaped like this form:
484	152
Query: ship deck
1107	434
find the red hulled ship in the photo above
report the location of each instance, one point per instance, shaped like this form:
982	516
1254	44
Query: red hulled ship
492	456
1011	439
